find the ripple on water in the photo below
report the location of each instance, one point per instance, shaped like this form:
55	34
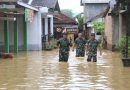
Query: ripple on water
3	88
42	71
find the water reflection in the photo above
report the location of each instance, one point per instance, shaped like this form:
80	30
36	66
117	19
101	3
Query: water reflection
42	71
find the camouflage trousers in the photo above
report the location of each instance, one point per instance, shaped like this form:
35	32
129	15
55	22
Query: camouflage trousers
92	57
63	56
80	52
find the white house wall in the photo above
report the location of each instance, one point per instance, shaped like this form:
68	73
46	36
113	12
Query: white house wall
34	33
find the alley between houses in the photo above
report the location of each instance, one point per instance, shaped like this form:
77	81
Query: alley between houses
42	71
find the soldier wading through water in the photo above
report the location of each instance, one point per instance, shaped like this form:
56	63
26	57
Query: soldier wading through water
91	48
64	48
80	46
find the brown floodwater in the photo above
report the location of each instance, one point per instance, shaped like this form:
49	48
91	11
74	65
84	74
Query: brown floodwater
42	71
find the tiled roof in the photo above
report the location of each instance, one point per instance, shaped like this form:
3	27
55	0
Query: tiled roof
95	1
100	15
63	19
45	3
25	1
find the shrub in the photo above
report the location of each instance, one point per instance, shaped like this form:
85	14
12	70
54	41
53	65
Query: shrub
121	43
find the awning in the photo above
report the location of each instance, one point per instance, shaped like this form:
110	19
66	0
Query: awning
15	8
27	6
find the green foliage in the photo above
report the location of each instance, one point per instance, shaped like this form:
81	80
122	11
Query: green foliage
99	26
122	46
80	19
48	46
121	43
67	12
51	45
120	1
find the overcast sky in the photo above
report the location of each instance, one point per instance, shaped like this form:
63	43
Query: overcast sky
74	5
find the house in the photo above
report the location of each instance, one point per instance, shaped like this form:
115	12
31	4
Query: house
112	32
93	9
117	23
47	18
19	23
118	26
63	23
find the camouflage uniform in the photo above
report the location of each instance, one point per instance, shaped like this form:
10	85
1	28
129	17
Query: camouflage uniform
92	49
64	47
80	49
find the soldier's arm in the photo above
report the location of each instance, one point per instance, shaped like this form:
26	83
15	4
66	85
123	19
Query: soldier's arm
86	47
84	44
58	43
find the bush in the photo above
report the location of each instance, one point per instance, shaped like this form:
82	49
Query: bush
121	43
51	45
48	46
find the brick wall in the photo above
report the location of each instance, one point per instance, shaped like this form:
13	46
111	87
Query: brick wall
108	31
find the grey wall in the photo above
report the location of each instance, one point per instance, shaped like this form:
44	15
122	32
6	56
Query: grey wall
11	34
115	25
91	10
33	33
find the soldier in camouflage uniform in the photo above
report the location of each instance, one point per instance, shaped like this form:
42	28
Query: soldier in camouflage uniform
80	46
64	48
92	46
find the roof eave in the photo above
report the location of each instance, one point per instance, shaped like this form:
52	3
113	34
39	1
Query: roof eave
81	3
26	5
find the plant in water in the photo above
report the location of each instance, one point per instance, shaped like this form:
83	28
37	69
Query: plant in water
122	45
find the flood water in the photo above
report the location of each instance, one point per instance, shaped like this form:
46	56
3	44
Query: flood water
42	71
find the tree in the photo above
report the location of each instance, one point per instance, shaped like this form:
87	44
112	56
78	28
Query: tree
67	12
80	20
120	1
99	26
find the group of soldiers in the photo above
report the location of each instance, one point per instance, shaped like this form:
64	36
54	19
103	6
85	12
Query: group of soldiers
82	45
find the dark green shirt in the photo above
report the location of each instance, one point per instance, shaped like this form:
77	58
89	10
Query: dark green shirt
80	43
92	47
64	45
